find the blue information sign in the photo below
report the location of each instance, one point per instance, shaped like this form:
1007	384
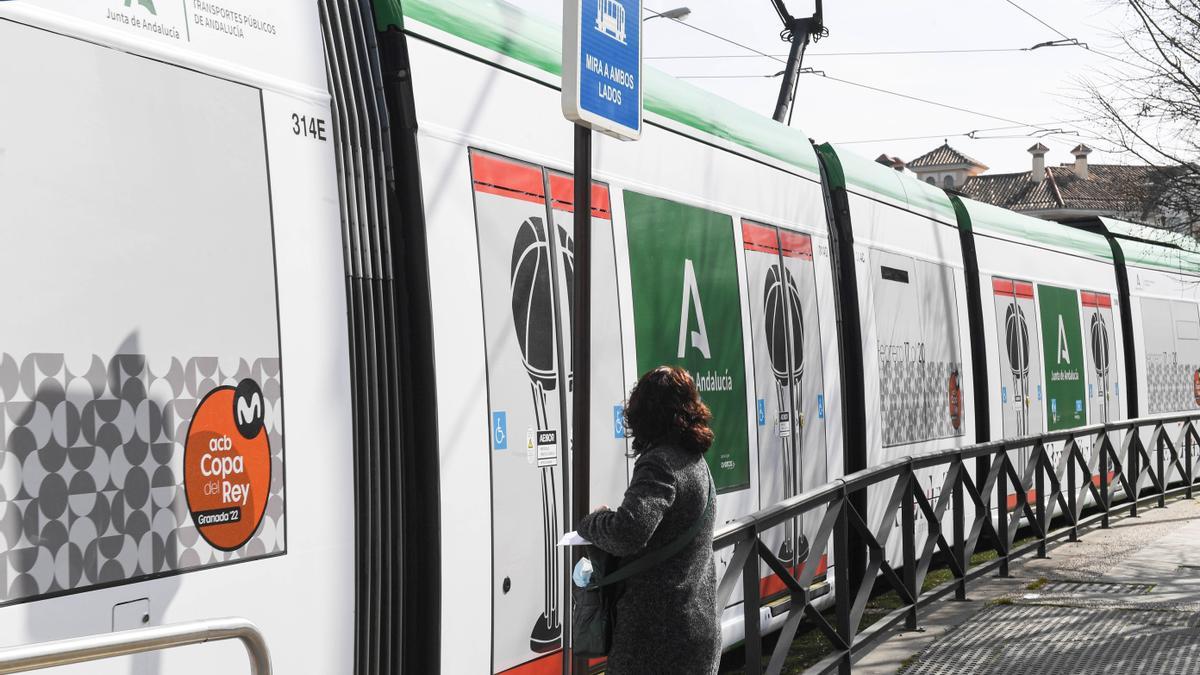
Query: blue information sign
602	65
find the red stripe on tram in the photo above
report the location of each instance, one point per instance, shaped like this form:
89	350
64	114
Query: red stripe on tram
562	193
773	585
796	245
761	238
506	178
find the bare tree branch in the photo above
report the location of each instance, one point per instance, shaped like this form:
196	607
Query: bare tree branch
1154	118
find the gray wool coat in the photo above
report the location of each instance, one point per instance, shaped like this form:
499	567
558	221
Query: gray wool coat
666	617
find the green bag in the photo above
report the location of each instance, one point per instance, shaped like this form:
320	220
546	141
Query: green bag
593	612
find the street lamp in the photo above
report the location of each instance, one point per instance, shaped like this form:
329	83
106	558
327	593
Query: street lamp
679	14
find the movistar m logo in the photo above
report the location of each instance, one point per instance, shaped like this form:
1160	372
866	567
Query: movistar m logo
249	410
691	300
148	4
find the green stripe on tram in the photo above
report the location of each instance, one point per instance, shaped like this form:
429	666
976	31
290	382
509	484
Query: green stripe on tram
506	30
388	14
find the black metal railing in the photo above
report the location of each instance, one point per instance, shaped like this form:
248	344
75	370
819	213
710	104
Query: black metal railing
1038	487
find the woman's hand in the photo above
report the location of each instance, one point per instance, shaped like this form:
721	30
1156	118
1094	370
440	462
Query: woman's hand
602	507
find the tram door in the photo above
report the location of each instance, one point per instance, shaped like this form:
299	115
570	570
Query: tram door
788	385
1103	357
1020	374
526	265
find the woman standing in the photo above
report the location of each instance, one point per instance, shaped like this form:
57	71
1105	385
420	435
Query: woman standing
666	617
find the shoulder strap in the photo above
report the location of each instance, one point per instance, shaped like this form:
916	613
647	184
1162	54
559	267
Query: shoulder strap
639	565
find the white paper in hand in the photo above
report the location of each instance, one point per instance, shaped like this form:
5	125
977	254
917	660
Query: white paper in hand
572	538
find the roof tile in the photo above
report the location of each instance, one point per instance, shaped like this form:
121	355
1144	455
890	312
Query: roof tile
942	156
1112	187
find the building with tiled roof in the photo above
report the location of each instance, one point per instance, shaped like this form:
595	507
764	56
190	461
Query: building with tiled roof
945	167
1074	190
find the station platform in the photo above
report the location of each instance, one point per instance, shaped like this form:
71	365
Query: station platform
1125	599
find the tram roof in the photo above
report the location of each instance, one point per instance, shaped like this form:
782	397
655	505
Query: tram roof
507	30
871	176
994	220
529	39
1146	246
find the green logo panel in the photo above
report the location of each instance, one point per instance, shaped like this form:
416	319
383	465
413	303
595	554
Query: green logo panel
1062	352
687	312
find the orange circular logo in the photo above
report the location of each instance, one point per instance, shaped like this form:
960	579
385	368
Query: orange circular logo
227	465
955	396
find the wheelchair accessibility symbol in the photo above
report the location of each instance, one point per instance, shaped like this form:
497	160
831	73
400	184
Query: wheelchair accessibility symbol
499	430
618	421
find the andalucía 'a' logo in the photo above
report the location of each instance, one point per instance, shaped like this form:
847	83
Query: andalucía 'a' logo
1064	354
148	4
691	299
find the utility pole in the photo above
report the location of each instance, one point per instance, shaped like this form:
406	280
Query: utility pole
799	32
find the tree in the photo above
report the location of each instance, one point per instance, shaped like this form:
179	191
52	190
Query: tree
1149	106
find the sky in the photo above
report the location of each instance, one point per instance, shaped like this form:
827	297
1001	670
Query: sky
1039	87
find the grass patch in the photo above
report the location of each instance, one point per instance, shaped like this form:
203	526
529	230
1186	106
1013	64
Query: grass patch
1037	584
811	645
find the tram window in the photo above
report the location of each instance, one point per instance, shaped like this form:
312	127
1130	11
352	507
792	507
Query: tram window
893	274
1187	330
148	260
920	361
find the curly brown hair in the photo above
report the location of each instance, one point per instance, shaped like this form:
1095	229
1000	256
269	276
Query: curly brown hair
665	408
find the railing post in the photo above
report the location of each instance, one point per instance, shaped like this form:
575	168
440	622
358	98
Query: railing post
1187	457
1039	486
908	536
1002	515
960	536
751	612
1162	476
1105	500
1071	449
1133	473
843	597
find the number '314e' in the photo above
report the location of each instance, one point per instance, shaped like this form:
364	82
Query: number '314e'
309	127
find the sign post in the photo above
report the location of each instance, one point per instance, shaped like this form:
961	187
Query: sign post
602	91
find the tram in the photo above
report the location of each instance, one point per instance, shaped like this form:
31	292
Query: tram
368	205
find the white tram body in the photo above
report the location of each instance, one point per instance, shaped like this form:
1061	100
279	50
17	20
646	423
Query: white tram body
167	235
376	199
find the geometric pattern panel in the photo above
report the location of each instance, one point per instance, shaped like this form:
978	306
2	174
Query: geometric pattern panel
915	399
91	470
1171	386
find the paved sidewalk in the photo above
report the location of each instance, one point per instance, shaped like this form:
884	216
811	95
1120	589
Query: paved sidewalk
1126	599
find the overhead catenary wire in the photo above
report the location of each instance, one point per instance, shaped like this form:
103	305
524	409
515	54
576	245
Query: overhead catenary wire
868	87
881	90
721	38
1039	20
901	52
1076	42
973	134
758	54
727	77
